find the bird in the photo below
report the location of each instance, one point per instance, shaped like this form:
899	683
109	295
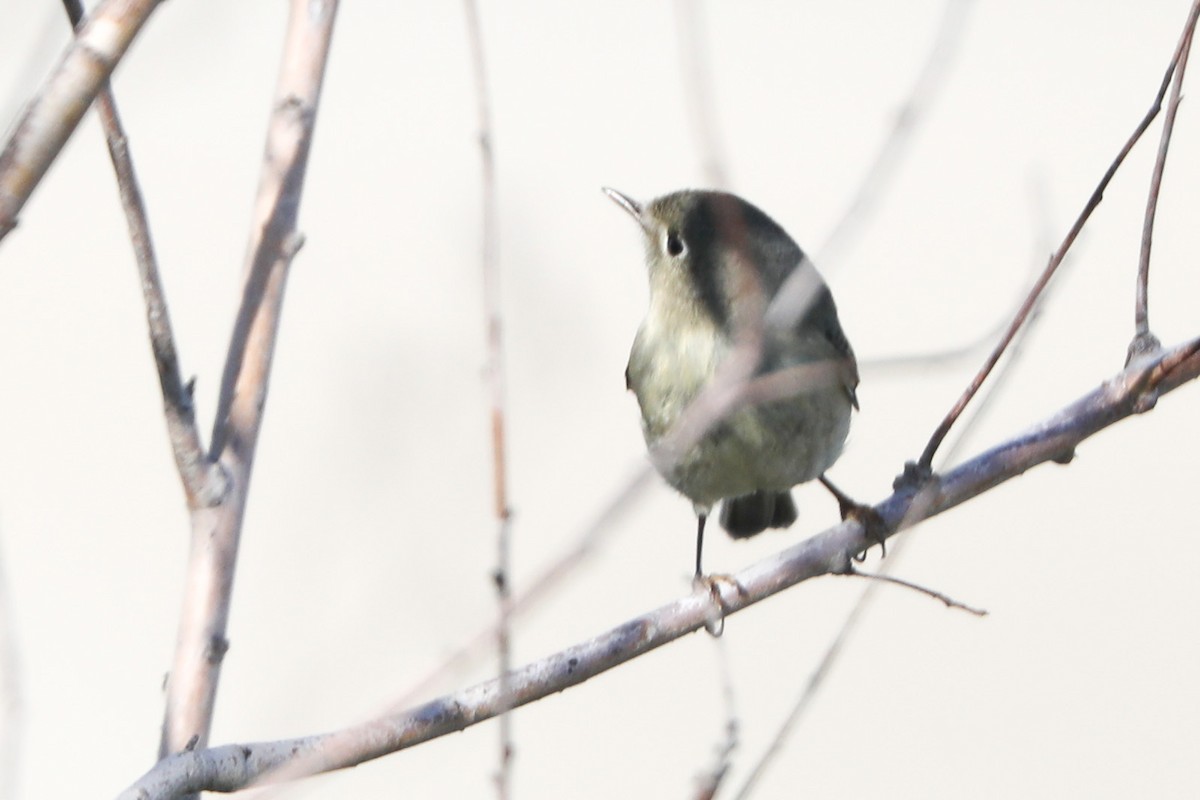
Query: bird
736	310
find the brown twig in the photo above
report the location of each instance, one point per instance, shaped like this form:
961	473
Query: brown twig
191	689
233	767
924	464
54	113
1143	339
203	481
916	587
493	321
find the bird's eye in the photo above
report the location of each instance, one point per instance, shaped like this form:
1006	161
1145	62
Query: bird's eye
674	243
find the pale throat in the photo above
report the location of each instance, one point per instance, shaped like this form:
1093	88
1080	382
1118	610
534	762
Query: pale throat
684	342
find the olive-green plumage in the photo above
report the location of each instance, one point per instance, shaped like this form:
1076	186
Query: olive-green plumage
716	263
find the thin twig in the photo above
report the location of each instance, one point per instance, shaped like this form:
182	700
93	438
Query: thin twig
233	767
192	687
493	321
203	481
923	465
1143	339
916	587
710	781
54	113
698	91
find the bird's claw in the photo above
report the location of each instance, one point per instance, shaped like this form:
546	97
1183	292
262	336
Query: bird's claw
873	525
712	584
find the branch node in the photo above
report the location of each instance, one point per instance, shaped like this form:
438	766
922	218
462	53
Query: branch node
1065	457
216	486
292	244
1144	345
913	477
218	646
874	528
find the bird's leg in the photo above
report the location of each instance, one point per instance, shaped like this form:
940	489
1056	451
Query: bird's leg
712	583
874	527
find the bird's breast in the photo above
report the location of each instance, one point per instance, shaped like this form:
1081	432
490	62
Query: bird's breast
674	355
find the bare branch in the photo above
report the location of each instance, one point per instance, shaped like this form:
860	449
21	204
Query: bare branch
950	602
55	111
924	465
232	767
203	481
494	324
1143	339
191	689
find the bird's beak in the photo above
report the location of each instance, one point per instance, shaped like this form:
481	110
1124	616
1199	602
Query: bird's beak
628	203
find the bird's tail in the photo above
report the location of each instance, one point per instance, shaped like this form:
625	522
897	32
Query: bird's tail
753	513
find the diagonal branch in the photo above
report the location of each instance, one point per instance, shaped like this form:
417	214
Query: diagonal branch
233	767
56	110
924	465
1143	339
192	687
203	482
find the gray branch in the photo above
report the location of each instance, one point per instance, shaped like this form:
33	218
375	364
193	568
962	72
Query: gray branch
229	768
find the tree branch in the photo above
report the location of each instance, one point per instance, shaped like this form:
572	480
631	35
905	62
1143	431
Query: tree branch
203	481
233	767
1142	336
191	689
494	325
924	465
55	111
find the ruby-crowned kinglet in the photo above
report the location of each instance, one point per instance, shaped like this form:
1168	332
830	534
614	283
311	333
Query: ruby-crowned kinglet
717	265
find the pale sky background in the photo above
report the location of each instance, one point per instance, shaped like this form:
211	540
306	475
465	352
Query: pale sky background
368	542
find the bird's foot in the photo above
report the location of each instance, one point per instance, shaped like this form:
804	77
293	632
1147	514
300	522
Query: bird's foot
874	527
713	585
